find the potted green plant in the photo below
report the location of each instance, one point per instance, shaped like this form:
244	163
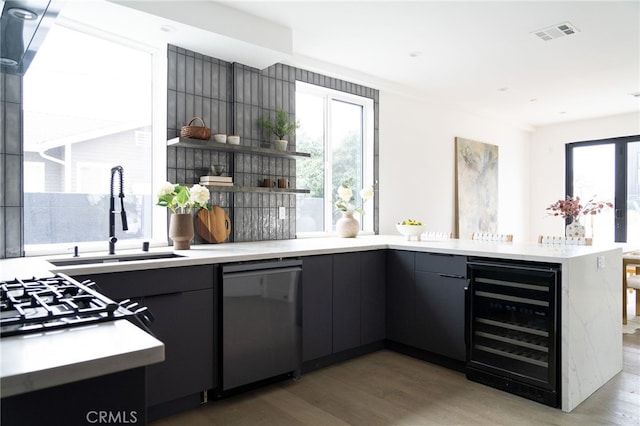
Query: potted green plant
281	127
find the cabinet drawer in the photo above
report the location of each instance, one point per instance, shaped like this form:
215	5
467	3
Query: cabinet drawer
125	285
442	264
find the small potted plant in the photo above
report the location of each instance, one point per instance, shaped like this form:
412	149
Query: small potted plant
281	128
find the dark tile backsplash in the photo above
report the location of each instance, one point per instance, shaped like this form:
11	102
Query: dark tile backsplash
231	97
11	158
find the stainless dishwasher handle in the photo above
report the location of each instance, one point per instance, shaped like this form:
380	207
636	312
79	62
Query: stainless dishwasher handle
261	266
260	272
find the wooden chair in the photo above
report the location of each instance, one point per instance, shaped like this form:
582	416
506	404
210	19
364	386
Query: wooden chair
565	241
633	281
486	236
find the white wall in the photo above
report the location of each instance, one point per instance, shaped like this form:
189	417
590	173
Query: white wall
417	165
548	162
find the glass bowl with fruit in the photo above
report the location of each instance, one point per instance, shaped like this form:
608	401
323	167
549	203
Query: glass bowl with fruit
411	228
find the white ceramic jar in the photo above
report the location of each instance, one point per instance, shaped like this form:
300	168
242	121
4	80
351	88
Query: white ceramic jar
220	138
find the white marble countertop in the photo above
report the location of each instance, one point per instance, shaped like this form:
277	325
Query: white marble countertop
41	360
27	267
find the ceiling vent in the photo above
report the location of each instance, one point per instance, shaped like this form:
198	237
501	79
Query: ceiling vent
557	31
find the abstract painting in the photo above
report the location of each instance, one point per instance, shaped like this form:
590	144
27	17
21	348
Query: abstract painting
476	187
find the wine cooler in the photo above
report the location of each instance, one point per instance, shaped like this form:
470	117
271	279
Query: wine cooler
513	327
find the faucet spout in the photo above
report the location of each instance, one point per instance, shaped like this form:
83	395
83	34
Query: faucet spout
112	209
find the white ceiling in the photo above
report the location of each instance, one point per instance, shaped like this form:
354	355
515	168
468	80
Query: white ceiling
469	51
478	56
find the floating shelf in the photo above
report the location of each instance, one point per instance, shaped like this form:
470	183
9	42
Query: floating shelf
240	149
235	188
226	147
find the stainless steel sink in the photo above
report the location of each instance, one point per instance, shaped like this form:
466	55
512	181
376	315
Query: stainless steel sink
112	259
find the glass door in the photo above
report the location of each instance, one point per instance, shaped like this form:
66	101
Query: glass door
594	178
633	193
607	170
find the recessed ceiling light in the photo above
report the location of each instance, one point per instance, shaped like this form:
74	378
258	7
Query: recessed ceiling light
8	61
503	89
635	94
533	100
415	54
20	13
167	29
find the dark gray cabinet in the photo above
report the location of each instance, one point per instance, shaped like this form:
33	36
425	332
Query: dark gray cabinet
81	402
400	295
317	299
343	300
440	310
372	296
182	301
346	301
440	314
184	323
426	301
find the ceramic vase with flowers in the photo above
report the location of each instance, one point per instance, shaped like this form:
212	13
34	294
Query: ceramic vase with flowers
182	201
348	226
572	210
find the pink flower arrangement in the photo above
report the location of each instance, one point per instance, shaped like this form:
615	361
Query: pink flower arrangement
570	208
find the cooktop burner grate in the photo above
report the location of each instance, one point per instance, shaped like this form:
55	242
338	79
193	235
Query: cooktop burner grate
42	304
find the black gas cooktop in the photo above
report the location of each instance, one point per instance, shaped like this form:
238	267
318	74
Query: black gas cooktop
42	304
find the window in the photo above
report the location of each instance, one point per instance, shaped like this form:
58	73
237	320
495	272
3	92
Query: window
337	129
88	106
608	170
33	177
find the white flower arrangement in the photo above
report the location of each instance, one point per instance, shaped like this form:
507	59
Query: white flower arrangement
345	197
180	199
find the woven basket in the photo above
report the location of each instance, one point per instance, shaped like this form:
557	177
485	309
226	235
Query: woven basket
195	132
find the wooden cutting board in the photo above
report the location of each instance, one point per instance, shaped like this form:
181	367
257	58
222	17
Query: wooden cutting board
214	225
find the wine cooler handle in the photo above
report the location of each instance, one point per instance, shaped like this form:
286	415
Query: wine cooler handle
467	318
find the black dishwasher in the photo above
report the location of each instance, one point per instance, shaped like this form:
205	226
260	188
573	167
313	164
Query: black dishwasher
261	321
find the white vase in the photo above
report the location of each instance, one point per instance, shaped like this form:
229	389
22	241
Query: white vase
347	226
575	229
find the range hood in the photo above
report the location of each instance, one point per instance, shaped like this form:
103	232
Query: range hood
23	27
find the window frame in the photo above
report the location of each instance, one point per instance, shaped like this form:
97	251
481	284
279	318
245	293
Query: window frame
158	151
368	136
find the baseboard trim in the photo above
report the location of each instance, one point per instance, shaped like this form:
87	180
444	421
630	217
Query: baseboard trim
423	355
348	354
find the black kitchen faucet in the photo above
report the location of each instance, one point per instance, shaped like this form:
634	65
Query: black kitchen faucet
112	210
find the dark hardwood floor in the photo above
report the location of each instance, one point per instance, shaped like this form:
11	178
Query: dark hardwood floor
387	388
